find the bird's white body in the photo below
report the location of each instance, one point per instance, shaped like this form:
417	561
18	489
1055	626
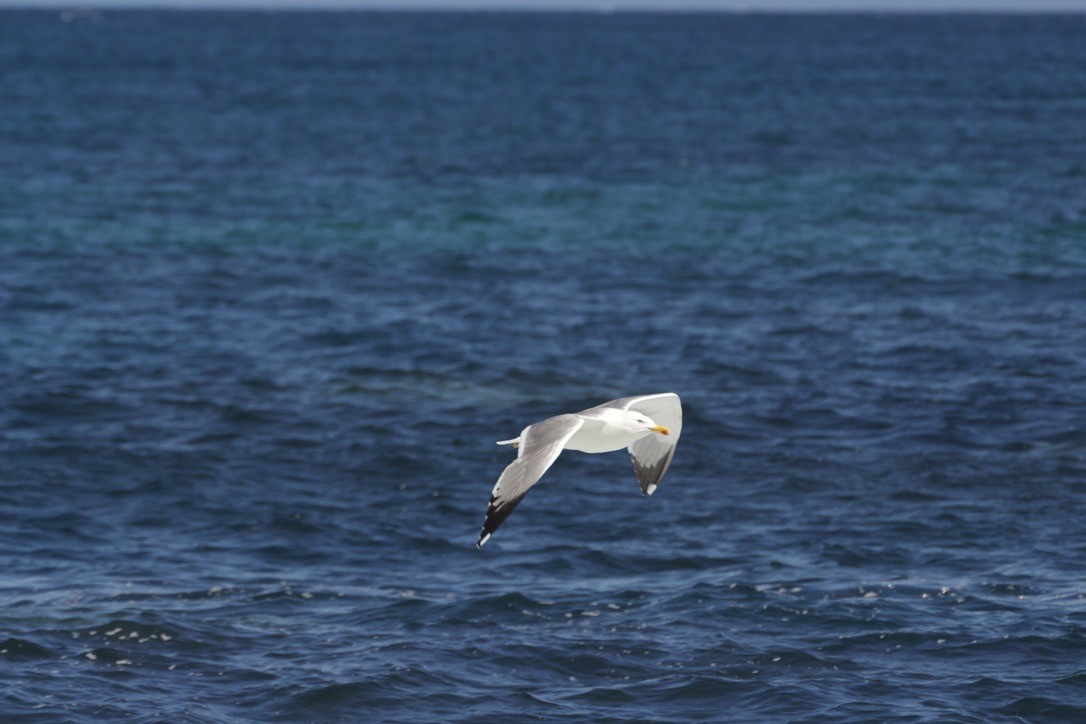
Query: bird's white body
608	430
612	430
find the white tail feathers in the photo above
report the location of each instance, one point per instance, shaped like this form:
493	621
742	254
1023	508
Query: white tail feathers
515	442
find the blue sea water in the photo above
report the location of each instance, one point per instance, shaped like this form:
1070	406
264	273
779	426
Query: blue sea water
272	284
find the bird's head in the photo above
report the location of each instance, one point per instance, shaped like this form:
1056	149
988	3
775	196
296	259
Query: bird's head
642	423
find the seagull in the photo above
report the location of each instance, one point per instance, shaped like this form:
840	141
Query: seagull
648	426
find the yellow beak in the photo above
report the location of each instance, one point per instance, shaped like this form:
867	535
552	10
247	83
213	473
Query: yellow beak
661	429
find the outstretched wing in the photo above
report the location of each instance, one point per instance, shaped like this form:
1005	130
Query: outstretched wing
652	454
540	445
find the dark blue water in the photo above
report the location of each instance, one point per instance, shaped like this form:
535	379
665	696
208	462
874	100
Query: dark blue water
271	286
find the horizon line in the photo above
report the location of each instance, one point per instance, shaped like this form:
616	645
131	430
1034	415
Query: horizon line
332	6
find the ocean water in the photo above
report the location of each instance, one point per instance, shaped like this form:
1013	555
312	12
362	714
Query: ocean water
272	284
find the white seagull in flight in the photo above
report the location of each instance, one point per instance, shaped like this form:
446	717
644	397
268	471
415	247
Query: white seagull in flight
648	426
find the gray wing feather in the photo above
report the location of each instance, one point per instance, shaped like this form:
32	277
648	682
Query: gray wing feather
540	445
651	459
652	455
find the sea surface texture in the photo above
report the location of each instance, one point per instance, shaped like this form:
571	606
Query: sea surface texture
273	284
